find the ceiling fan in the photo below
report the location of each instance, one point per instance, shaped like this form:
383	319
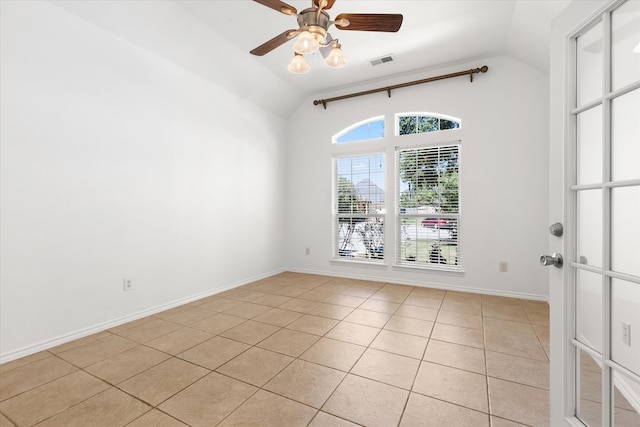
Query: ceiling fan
312	34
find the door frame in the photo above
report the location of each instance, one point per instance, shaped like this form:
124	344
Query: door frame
561	206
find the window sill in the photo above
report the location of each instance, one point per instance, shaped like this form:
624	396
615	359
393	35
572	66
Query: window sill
447	272
359	263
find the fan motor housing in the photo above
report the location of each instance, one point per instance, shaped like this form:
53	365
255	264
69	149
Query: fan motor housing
316	23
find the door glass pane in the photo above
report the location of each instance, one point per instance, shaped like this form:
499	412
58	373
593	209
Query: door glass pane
625	321
589	139
625	135
589	309
589	388
625	231
626	391
589	64
589	227
625	44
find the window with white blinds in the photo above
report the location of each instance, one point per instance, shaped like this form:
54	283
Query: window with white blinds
359	199
428	206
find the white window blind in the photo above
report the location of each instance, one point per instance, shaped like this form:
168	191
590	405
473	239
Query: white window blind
428	206
359	206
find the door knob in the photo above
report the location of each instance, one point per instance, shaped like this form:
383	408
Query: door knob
555	260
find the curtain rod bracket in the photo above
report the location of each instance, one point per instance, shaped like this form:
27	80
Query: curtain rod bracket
388	89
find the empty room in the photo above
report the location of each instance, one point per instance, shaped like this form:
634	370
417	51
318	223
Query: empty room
319	213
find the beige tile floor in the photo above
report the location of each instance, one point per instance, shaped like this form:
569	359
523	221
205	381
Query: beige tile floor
298	350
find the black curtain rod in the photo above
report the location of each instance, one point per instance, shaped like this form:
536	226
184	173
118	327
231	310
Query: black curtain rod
388	89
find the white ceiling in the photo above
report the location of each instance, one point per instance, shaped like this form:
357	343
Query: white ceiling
212	38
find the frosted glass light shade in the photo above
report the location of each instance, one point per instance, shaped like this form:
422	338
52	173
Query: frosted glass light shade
306	43
298	65
336	58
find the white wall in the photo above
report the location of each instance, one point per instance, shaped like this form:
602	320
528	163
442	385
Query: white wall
117	163
504	175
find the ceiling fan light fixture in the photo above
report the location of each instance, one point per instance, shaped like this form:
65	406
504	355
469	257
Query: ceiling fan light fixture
336	58
298	65
306	43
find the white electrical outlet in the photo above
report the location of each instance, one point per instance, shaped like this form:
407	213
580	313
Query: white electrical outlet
307	251
626	333
504	266
127	285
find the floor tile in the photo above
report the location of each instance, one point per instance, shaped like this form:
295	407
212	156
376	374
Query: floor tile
334	354
458	335
271	300
353	333
32	375
387	368
214	352
266	409
380	306
428	292
314	295
220	304
4	422
82	341
463	297
247	310
156	418
423	301
313	324
322	419
250	332
355	291
423	411
453	385
306	383
399	343
289	342
346	300
517	369
155	385
52	398
208	401
422	313
300	305
246	295
513	312
390	295
98	350
17	363
459	319
501	422
332	311
516	338
278	317
367	402
179	341
218	323
461	307
411	326
255	366
127	364
187	315
520	403
367	317
107	409
290	291
455	356
150	330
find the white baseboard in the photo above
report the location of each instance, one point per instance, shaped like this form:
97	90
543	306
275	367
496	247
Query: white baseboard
81	333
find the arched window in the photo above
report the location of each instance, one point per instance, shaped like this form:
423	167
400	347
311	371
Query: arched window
372	128
409	123
423	207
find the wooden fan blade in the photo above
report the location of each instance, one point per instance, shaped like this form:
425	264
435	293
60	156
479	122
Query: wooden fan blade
274	42
328	6
279	6
386	22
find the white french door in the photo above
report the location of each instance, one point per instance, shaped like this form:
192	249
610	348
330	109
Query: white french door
603	219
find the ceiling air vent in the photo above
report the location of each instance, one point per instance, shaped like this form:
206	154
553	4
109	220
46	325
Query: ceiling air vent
381	60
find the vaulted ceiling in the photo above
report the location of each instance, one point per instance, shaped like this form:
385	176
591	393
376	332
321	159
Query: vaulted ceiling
212	38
